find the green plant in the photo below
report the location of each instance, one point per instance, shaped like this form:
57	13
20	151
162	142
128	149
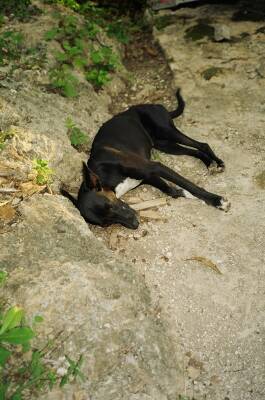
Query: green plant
18	8
64	81
73	36
10	46
104	62
98	77
24	371
67	3
119	30
5	135
77	136
43	172
3	277
2	20
156	155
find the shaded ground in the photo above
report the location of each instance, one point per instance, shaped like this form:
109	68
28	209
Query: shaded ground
217	319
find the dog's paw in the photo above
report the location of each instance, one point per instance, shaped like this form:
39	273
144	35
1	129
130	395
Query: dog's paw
215	168
175	193
224	205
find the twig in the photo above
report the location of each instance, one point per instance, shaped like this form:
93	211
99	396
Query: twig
8	190
144	205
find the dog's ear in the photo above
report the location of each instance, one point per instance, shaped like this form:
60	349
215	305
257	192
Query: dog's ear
91	180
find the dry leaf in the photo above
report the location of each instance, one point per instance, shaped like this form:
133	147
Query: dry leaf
29	188
7	212
4	203
206	262
151	51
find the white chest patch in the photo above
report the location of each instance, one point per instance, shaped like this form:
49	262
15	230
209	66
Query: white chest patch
125	186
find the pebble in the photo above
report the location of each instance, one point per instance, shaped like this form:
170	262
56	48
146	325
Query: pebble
221	32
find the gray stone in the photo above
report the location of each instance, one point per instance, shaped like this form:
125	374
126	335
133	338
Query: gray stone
221	32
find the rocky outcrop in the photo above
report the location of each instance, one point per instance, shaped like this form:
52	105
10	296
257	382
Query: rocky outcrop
61	271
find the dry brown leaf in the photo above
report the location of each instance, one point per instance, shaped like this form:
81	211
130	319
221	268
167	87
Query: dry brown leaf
4	203
151	51
7	212
29	188
206	262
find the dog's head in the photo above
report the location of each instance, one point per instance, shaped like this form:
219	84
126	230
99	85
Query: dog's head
100	206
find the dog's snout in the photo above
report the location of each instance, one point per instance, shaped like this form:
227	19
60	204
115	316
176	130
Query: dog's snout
135	223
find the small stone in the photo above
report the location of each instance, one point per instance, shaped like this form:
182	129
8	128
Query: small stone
193	373
221	32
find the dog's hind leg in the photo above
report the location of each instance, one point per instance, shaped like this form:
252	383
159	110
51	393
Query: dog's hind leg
177	136
172	148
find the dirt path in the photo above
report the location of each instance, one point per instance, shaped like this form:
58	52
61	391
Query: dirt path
217	319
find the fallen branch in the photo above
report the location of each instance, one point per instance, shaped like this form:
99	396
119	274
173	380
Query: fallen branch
144	205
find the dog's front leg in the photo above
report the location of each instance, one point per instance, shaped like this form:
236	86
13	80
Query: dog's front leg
189	187
142	169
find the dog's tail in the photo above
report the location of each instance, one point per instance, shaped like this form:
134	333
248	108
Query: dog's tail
181	105
69	196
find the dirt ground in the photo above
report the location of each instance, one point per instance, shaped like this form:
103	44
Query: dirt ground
204	267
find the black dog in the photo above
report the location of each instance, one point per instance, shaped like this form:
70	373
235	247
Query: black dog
120	161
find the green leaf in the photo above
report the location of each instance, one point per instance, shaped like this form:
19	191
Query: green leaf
64	380
36	366
3	390
78	137
97	57
3	277
38	319
60	56
26	347
17	336
50	35
11	319
79	62
69	123
69	90
52	377
16	396
4	354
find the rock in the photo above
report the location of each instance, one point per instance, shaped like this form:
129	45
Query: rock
261	67
221	32
59	270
